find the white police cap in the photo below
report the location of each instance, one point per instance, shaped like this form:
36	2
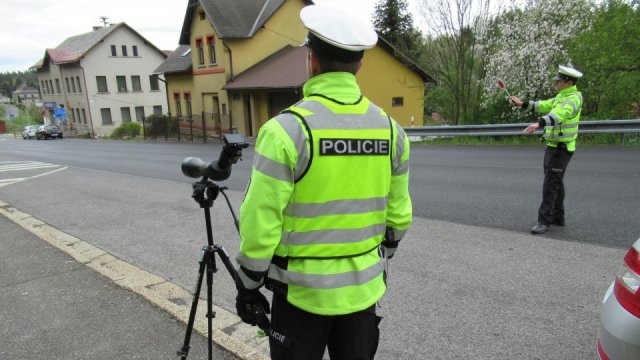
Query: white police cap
338	28
565	72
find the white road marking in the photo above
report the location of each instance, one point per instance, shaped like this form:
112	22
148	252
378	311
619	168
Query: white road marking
32	165
29	166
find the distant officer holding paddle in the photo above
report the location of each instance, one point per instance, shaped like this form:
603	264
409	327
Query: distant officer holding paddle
560	124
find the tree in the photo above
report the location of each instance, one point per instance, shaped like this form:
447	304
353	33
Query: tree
394	23
456	54
611	60
527	45
9	81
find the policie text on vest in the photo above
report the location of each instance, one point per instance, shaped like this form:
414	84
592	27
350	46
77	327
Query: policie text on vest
354	147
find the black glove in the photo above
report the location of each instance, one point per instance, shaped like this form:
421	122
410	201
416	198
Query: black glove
252	307
389	245
389	248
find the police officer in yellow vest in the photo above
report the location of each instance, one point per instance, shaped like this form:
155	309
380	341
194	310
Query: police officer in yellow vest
560	132
327	204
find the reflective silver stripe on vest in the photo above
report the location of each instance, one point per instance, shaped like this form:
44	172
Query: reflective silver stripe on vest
272	168
399	234
248	282
399	148
551	119
329	281
294	129
573	106
332	236
570	127
324	119
401	169
536	106
252	264
337	207
530	105
561	137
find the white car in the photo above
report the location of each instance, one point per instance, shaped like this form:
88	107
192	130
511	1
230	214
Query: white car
29	131
619	337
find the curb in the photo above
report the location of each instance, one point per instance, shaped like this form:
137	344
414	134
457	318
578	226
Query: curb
229	331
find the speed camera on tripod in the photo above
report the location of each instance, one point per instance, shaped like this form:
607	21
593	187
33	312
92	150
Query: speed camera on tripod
220	169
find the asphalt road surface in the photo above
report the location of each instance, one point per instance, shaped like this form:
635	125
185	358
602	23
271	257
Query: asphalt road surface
469	281
489	186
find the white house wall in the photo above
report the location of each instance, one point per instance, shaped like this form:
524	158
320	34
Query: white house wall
99	62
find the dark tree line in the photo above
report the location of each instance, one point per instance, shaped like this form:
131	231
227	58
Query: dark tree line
10	81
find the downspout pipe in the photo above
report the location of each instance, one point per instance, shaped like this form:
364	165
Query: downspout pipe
166	89
230	60
86	93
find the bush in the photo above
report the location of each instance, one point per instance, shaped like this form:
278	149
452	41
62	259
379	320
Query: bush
127	130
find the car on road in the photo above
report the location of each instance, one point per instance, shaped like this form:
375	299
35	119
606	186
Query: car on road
619	336
29	131
48	132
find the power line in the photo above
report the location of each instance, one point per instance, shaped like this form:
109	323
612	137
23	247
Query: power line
284	36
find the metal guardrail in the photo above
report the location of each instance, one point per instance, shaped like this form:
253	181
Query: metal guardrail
586	127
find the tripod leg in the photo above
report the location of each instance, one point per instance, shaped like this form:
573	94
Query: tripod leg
227	263
184	351
211	268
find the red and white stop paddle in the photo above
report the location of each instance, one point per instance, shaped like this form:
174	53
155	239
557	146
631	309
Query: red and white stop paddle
501	84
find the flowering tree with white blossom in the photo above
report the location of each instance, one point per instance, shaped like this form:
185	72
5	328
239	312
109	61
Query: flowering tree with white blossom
528	42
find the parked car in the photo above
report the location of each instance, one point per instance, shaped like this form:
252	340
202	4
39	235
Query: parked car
29	131
619	337
48	131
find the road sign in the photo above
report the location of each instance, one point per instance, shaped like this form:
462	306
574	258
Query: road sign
60	113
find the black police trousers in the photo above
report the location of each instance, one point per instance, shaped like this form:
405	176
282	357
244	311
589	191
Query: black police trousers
300	335
556	160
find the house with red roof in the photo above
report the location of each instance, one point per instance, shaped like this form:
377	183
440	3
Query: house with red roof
103	78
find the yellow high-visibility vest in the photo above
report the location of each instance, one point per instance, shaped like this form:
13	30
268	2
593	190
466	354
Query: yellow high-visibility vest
563	115
329	176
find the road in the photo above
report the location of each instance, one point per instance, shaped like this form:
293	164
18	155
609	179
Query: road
489	186
469	281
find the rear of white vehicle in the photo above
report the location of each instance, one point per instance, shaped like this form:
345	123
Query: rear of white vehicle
29	131
620	313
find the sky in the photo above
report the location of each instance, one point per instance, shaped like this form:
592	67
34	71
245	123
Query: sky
29	27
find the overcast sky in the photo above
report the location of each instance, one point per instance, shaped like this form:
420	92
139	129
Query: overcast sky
28	27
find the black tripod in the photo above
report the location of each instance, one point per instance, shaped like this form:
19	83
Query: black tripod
204	193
